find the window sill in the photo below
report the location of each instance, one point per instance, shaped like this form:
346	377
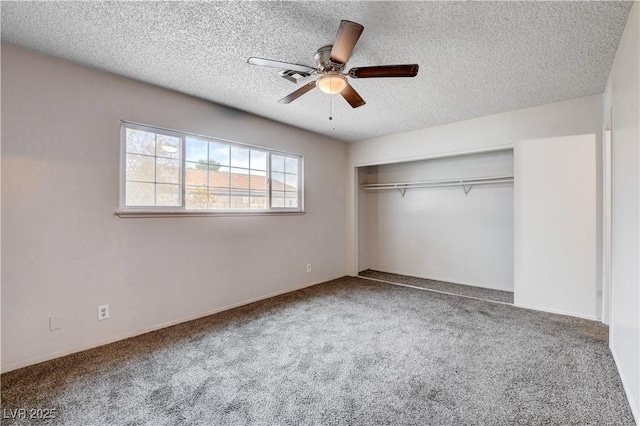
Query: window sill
148	213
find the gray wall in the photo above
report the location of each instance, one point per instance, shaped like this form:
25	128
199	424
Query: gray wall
64	252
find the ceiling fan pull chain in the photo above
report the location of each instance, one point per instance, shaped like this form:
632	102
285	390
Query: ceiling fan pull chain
330	108
333	127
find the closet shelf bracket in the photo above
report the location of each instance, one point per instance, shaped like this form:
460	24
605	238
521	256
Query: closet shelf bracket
402	190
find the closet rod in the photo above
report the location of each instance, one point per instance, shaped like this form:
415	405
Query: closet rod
466	184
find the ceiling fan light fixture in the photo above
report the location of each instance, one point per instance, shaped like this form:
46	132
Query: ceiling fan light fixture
332	83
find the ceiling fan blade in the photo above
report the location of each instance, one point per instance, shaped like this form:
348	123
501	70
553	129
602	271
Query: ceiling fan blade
281	65
410	70
351	96
295	95
347	37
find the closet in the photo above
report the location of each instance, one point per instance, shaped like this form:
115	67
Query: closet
448	219
522	218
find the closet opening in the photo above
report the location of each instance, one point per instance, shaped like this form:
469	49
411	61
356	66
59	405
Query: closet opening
445	224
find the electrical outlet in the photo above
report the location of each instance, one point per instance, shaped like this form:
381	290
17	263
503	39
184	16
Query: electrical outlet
55	324
103	312
308	267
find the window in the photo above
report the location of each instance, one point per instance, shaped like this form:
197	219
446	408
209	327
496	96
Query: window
170	171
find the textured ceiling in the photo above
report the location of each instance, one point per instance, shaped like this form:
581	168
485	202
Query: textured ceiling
476	58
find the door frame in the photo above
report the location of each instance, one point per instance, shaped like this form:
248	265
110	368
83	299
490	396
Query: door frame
607	217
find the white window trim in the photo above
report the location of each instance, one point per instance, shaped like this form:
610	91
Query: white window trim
162	211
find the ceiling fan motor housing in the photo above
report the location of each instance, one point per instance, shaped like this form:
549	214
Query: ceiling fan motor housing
323	60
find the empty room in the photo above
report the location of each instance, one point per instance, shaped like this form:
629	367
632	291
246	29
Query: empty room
320	213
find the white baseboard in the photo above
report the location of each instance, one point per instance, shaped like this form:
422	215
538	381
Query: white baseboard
95	344
633	404
556	311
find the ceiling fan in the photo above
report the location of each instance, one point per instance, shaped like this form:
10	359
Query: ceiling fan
330	64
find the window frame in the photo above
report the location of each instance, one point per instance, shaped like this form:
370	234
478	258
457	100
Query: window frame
169	211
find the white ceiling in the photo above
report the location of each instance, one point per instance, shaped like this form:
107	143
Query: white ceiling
476	58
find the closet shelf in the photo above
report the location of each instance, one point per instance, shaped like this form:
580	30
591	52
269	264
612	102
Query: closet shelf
466	184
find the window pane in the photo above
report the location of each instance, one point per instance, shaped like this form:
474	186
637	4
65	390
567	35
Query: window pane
218	178
196	151
291	200
140	194
291	182
258	180
196	174
239	202
140	168
218	154
141	142
168	146
258	202
291	165
239	182
239	157
277	163
219	198
258	160
167	171
239	189
277	199
277	181
258	184
167	195
195	197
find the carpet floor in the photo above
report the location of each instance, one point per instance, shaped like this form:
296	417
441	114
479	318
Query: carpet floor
347	352
442	286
